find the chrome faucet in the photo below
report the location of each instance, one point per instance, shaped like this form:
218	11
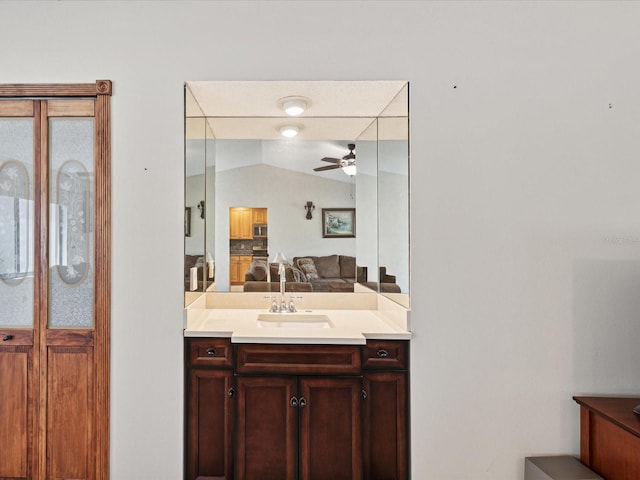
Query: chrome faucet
283	280
283	307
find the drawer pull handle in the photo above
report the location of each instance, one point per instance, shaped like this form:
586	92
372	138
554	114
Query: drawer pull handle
293	402
6	338
211	351
382	354
231	393
303	402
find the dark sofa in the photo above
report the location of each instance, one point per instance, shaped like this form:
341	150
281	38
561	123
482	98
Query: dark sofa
323	273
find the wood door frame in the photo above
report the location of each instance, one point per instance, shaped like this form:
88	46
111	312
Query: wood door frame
101	91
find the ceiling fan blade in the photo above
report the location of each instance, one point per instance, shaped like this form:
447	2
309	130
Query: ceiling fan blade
331	159
328	167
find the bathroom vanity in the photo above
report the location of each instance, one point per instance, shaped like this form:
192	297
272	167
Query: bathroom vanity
273	401
321	393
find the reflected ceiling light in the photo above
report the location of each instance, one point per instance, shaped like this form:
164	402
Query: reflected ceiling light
289	131
294	106
349	170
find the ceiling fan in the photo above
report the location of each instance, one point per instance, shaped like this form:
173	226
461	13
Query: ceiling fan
347	163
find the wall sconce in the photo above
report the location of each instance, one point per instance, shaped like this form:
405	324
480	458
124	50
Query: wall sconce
201	208
309	207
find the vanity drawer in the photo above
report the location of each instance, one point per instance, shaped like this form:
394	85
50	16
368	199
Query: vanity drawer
298	359
210	352
386	354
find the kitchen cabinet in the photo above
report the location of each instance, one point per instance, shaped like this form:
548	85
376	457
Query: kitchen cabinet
259	215
238	266
240	223
296	411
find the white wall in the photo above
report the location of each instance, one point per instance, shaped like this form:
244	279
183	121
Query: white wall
525	223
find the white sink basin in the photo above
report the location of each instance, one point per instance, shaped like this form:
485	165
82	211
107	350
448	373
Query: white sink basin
294	320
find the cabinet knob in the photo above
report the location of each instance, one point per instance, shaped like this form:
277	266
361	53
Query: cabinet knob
293	402
6	338
382	354
211	351
303	402
364	394
231	393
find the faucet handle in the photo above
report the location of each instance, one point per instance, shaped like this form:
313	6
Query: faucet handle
274	303
292	307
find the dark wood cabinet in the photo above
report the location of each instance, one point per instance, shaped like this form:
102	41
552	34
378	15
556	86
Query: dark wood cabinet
210	410
385	425
610	436
267	428
330	433
288	412
292	427
385	410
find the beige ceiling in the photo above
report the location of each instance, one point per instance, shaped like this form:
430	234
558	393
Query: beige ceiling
340	110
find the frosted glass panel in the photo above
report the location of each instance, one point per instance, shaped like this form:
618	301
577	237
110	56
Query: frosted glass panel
71	223
16	222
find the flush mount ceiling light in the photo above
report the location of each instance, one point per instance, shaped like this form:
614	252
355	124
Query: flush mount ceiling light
289	131
294	106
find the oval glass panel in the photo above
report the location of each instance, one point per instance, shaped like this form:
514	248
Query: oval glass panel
15	226
72	195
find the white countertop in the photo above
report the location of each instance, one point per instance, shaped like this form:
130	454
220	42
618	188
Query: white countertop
349	327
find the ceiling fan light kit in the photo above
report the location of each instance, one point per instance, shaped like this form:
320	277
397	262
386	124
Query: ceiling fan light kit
346	163
294	106
349	170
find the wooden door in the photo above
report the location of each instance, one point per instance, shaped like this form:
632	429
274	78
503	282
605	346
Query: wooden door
267	428
55	286
330	438
18	364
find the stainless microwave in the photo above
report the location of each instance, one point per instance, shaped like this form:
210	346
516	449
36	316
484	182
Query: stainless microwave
259	230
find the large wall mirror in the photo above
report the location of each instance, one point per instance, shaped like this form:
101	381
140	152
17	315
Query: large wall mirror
316	171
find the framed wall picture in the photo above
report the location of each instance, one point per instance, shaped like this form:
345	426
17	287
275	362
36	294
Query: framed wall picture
338	222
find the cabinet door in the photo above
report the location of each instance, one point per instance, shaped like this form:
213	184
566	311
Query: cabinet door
240	224
210	407
245	263
385	433
267	428
246	224
330	439
236	277
234	223
259	215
